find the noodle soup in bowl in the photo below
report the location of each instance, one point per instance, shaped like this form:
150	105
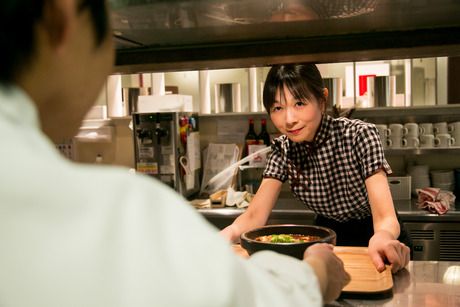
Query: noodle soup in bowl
287	239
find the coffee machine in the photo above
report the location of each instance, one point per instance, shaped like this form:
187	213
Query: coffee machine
166	146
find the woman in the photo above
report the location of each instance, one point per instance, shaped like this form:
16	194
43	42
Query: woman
336	167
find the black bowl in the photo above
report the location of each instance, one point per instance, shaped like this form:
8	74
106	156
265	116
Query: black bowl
249	243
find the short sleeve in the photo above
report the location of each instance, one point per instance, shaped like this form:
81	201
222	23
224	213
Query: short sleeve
275	167
370	151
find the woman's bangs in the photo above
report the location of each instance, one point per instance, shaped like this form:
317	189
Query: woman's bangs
299	89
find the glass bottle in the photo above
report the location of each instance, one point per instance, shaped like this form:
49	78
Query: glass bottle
251	136
264	137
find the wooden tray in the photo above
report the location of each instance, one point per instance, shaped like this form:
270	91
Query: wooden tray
365	279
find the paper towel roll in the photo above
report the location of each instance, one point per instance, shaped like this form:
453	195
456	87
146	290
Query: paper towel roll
205	92
115	104
237	107
158	83
253	101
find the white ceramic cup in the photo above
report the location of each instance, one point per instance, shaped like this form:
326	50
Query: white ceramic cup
440	128
454	127
412	129
397	141
397	130
445	140
383	130
456	135
426	128
428	141
385	142
412	142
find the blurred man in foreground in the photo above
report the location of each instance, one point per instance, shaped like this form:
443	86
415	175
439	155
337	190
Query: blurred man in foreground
83	235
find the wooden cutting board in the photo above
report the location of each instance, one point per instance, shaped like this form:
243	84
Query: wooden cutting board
365	279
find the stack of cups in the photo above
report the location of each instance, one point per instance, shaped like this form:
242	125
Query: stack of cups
427	138
396	138
441	132
419	177
443	179
454	130
384	133
412	133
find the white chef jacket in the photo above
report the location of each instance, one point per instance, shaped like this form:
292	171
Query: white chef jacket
85	235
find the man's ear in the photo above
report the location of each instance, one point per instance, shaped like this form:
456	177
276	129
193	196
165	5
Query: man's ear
57	17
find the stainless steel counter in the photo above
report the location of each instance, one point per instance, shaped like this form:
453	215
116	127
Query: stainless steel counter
292	208
420	284
434	237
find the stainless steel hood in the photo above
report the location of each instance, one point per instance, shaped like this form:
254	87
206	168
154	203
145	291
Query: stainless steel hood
172	35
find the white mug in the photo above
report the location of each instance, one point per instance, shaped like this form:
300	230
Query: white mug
397	141
397	130
456	136
384	142
412	142
428	141
440	128
453	127
383	130
389	143
426	128
445	140
412	129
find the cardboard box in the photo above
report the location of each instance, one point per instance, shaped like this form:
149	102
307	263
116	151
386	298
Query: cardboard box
165	103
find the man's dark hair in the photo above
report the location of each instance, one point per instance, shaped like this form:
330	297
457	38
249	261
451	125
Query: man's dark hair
18	19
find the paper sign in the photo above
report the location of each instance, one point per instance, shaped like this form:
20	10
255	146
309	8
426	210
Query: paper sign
259	160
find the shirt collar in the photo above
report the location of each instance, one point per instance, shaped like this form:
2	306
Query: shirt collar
17	107
323	132
322	135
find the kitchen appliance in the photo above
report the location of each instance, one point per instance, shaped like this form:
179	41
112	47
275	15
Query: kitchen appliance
435	240
166	146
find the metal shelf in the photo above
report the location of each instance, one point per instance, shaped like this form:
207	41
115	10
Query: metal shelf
234	114
434	112
423	151
154	35
419	114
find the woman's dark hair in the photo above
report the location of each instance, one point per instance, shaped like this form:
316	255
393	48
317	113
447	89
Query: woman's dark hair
18	19
304	81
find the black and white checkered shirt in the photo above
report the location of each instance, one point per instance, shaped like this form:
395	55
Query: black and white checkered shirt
328	174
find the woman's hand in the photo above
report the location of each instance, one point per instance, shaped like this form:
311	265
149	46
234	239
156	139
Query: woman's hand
329	270
383	248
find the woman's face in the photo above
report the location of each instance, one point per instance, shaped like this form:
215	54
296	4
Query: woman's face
297	119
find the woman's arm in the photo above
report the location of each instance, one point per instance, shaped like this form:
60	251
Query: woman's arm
383	212
258	211
384	246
